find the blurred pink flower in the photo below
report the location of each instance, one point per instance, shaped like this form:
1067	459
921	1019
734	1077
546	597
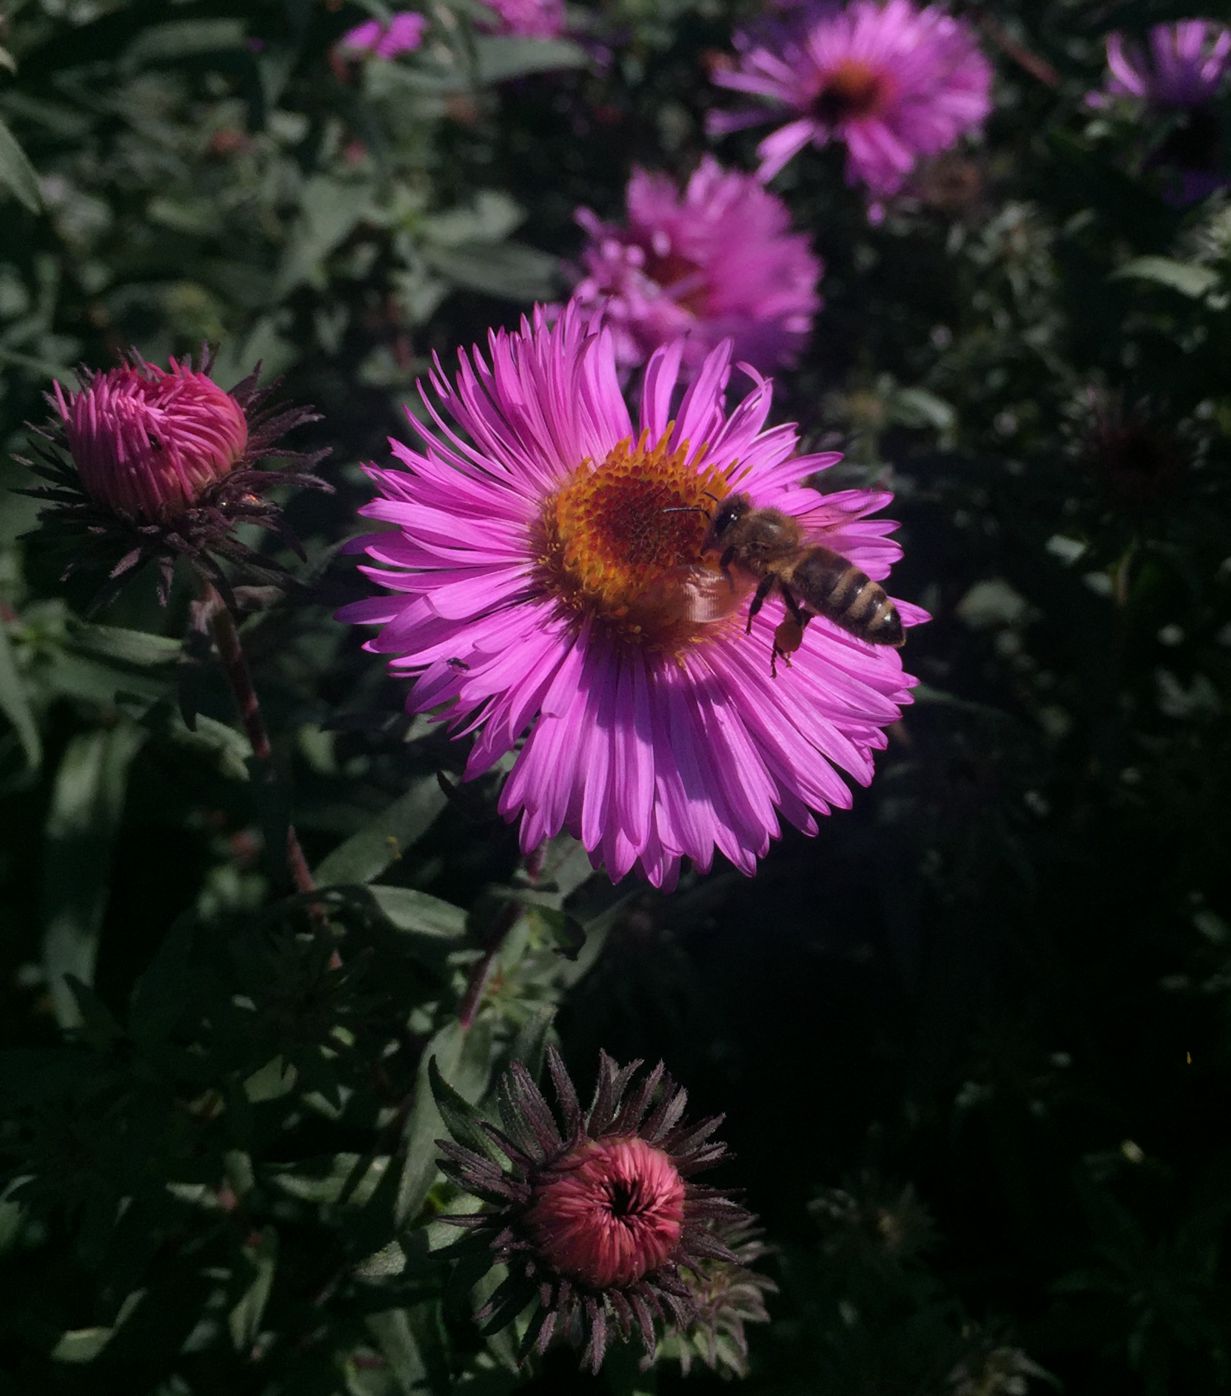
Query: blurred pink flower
714	262
893	82
403	33
148	441
534	19
538	570
1181	65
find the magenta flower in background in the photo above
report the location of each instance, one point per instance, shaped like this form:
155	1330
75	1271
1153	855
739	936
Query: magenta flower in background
533	19
1181	65
1177	74
716	261
538	569
893	82
376	38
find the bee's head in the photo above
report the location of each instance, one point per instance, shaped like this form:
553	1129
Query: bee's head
728	513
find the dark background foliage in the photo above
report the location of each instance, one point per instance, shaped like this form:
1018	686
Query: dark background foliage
972	1040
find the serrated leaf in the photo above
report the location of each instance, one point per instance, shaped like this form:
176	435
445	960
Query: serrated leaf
368	853
87	802
1185	277
17	173
14	704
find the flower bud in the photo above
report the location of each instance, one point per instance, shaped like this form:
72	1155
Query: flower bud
608	1212
148	441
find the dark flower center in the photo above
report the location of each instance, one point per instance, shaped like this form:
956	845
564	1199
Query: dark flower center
850	91
674	270
628	1198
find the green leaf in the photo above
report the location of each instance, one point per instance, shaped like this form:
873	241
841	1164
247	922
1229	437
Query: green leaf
460	1117
462	1057
1185	277
87	802
13	702
530	1045
337	1178
396	1340
255	1277
17	173
418	913
161	993
499	58
368	853
329	209
507	269
183	39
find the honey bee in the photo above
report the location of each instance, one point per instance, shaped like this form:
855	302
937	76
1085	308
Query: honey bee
764	550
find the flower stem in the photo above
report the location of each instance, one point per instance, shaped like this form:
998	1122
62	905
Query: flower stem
508	918
239	676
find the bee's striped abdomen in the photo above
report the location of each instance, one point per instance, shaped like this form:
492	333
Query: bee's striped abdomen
833	587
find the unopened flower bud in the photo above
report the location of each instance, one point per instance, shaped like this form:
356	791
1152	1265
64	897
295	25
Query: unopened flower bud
148	441
608	1212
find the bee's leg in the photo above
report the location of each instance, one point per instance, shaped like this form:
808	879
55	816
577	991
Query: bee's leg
764	587
724	564
791	602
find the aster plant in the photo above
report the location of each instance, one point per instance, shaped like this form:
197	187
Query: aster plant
594	1212
1177	73
146	464
892	81
538	577
713	261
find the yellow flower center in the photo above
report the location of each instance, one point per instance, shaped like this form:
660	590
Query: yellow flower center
619	541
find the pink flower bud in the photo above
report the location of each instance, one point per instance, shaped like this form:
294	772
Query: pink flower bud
608	1212
148	441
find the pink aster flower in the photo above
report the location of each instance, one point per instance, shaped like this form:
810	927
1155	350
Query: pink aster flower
893	82
376	38
542	569
533	19
717	261
1181	65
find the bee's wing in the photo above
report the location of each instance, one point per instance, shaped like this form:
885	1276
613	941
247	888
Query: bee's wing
709	596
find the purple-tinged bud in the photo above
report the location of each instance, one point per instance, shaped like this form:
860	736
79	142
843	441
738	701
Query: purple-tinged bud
148	441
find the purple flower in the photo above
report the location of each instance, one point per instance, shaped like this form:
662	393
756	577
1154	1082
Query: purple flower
1182	65
541	569
891	81
376	38
533	19
715	262
1178	75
